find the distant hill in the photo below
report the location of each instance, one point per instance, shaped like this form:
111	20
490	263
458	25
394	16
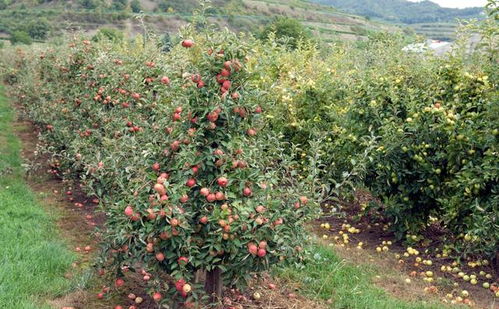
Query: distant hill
402	11
160	16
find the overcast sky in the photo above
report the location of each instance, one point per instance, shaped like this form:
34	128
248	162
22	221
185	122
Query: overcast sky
458	3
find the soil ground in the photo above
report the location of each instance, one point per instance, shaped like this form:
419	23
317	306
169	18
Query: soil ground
373	234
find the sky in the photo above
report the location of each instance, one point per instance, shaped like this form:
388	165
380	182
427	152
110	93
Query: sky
458	3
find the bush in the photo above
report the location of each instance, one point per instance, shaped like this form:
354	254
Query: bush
20	37
177	149
166	43
434	156
289	30
135	6
108	34
119	5
89	4
39	29
367	116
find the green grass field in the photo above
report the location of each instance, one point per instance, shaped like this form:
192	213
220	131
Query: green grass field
33	258
329	277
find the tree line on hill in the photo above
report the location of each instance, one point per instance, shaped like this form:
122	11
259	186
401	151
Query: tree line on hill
403	11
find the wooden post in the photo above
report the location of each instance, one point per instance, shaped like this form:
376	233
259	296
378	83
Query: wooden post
213	284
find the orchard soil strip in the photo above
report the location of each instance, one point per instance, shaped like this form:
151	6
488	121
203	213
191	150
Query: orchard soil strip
394	283
76	213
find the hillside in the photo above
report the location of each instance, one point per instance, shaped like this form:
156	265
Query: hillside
426	18
162	16
403	11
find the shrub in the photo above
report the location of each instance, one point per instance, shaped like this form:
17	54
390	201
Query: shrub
109	34
89	4
166	43
119	5
177	150
135	6
367	116
39	29
20	37
288	29
434	156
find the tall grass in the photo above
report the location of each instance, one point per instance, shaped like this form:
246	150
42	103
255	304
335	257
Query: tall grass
32	258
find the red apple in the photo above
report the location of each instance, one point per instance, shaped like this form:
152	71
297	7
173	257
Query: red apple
119	282
247	191
180	284
165	80
128	211
303	200
157	296
222	182
155	166
211	198
251	132
187	43
175	145
220	196
212	116
204	191
184	198
191	182
253	249
160	189
226	85
196	78
182	260
176	117
262	244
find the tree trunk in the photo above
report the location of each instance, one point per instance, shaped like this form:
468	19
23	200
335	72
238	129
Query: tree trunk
213	285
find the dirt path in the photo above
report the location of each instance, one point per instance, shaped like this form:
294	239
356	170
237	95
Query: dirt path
77	216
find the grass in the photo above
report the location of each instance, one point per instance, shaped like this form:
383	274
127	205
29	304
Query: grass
33	259
329	278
